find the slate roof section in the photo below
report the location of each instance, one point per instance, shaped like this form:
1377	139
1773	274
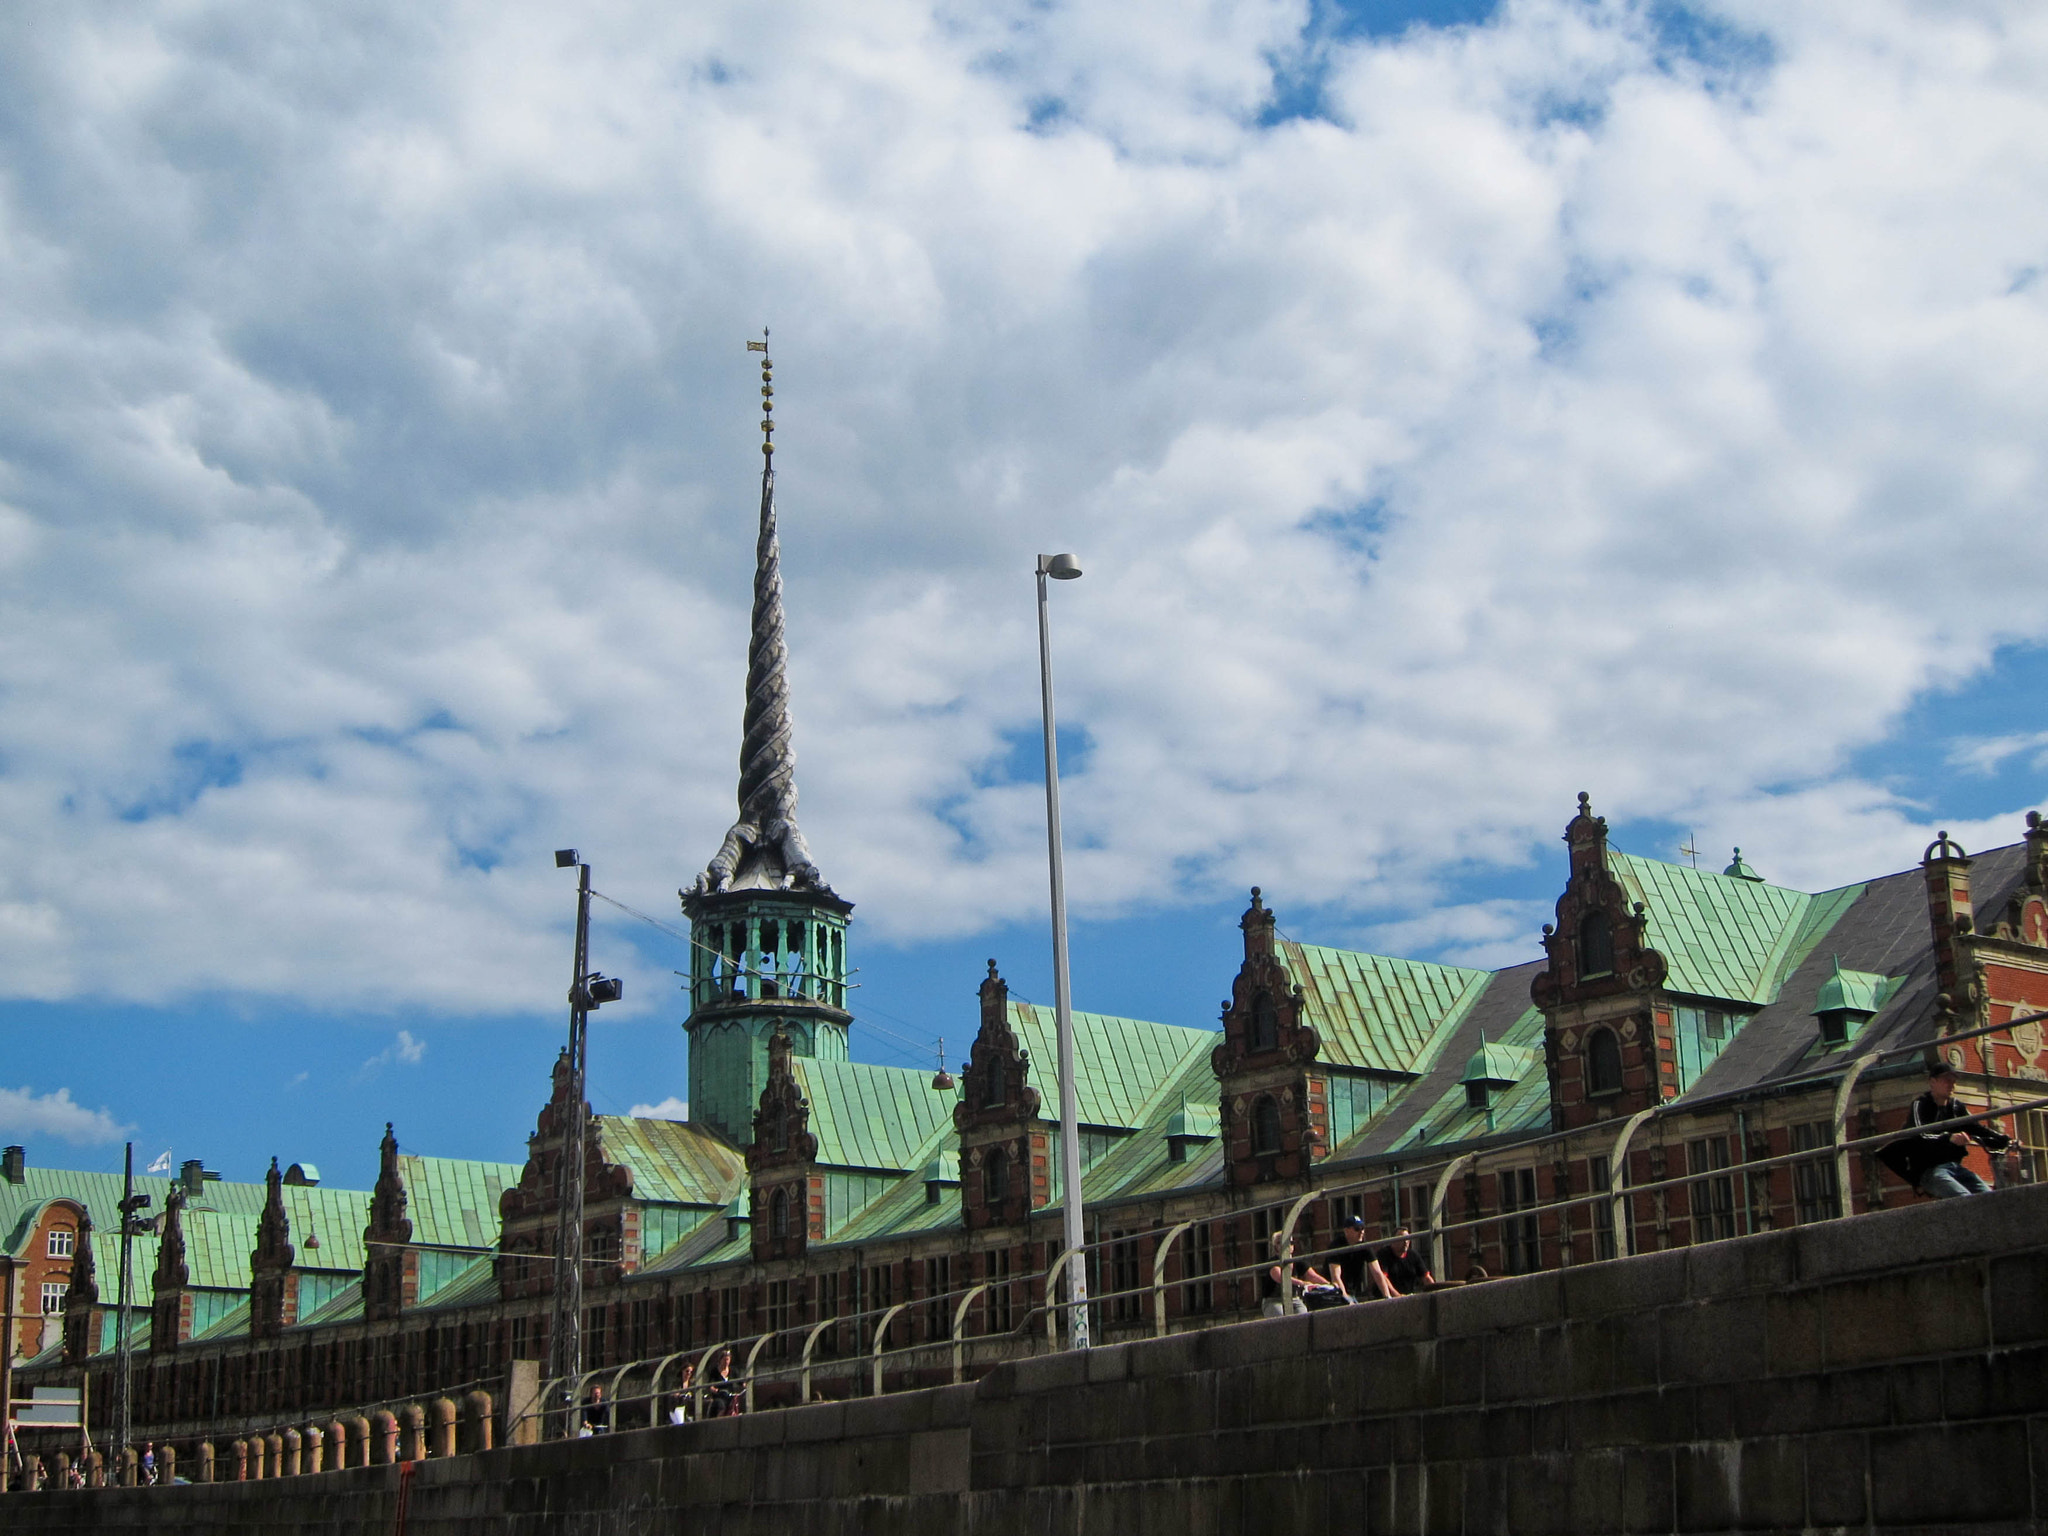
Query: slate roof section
1377	1013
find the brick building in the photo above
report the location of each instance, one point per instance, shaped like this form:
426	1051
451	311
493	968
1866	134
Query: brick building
1680	1029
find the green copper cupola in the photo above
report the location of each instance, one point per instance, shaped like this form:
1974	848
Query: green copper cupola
768	935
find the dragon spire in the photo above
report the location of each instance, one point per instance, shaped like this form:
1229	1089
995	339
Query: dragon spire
764	849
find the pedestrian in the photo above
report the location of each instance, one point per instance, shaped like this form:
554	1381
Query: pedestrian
1931	1160
1358	1267
597	1413
149	1463
1407	1271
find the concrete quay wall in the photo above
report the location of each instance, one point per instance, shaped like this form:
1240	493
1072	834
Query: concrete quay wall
1886	1372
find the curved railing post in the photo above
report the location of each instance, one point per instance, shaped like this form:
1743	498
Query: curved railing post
959	1321
1437	1196
1841	1126
747	1375
654	1386
697	1378
1287	1227
1617	1178
1159	1256
810	1343
1052	1306
882	1339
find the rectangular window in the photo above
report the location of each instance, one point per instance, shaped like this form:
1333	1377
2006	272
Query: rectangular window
2033	1129
1521	1236
1001	1311
779	1318
879	1299
60	1243
1197	1264
732	1318
1127	1274
938	1280
1597	1175
54	1292
1713	1198
1815	1194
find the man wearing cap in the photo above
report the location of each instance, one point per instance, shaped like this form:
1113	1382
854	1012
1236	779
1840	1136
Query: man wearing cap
1358	1270
1932	1160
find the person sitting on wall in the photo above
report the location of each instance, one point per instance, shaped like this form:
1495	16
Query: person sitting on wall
1294	1287
1358	1267
679	1400
1932	1160
723	1397
1407	1271
597	1414
149	1463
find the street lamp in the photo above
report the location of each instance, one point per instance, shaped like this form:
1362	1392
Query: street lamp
1062	568
588	990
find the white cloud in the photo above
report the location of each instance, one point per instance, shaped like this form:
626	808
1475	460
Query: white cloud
1561	411
405	1050
670	1108
24	1112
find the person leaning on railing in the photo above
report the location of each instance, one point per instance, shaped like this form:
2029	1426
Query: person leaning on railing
1932	1160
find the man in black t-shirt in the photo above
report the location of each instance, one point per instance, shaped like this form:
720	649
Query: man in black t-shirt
1406	1270
1358	1269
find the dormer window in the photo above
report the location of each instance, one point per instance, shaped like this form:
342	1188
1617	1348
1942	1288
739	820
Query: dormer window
1603	1062
1265	1023
1265	1126
1596	946
59	1246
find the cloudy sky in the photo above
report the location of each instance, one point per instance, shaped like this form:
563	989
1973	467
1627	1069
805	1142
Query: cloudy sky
1454	407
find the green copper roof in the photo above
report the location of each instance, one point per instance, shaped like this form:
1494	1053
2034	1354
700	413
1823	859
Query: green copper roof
868	1116
1499	1064
1734	940
452	1201
672	1162
1376	1013
1525	1106
1121	1066
1853	992
1738	870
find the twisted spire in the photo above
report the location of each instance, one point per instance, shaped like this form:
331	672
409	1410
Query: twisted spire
765	850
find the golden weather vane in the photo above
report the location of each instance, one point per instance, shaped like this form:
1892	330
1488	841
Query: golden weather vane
1688	851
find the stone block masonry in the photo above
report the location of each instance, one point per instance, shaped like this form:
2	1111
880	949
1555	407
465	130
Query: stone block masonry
1885	1373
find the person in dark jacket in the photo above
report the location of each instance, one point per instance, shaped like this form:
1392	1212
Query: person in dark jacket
1932	1160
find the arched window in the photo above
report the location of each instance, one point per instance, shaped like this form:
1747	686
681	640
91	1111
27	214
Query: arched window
1596	945
778	1215
1265	1023
1265	1126
1603	1062
995	1177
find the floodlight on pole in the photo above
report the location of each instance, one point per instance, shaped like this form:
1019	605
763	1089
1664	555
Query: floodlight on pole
1062	568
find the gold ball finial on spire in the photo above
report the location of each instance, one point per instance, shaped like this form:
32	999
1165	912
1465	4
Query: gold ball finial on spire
767	392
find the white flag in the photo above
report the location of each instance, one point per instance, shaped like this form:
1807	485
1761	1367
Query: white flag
161	1165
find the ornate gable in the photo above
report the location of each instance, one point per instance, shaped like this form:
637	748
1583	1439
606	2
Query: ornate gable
170	1308
391	1266
1005	1148
273	1287
83	1296
529	1211
1607	1047
2002	972
1597	946
788	1194
1275	1107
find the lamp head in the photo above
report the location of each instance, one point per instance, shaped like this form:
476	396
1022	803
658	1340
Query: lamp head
1059	567
565	858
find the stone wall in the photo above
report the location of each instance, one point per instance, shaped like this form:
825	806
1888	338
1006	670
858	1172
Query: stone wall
1886	1372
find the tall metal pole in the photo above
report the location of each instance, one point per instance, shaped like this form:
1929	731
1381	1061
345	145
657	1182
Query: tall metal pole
1062	999
567	1344
122	1357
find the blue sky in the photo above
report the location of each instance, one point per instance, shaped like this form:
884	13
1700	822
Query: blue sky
1454	406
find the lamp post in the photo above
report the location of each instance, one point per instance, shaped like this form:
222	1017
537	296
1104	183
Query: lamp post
587	990
1062	568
